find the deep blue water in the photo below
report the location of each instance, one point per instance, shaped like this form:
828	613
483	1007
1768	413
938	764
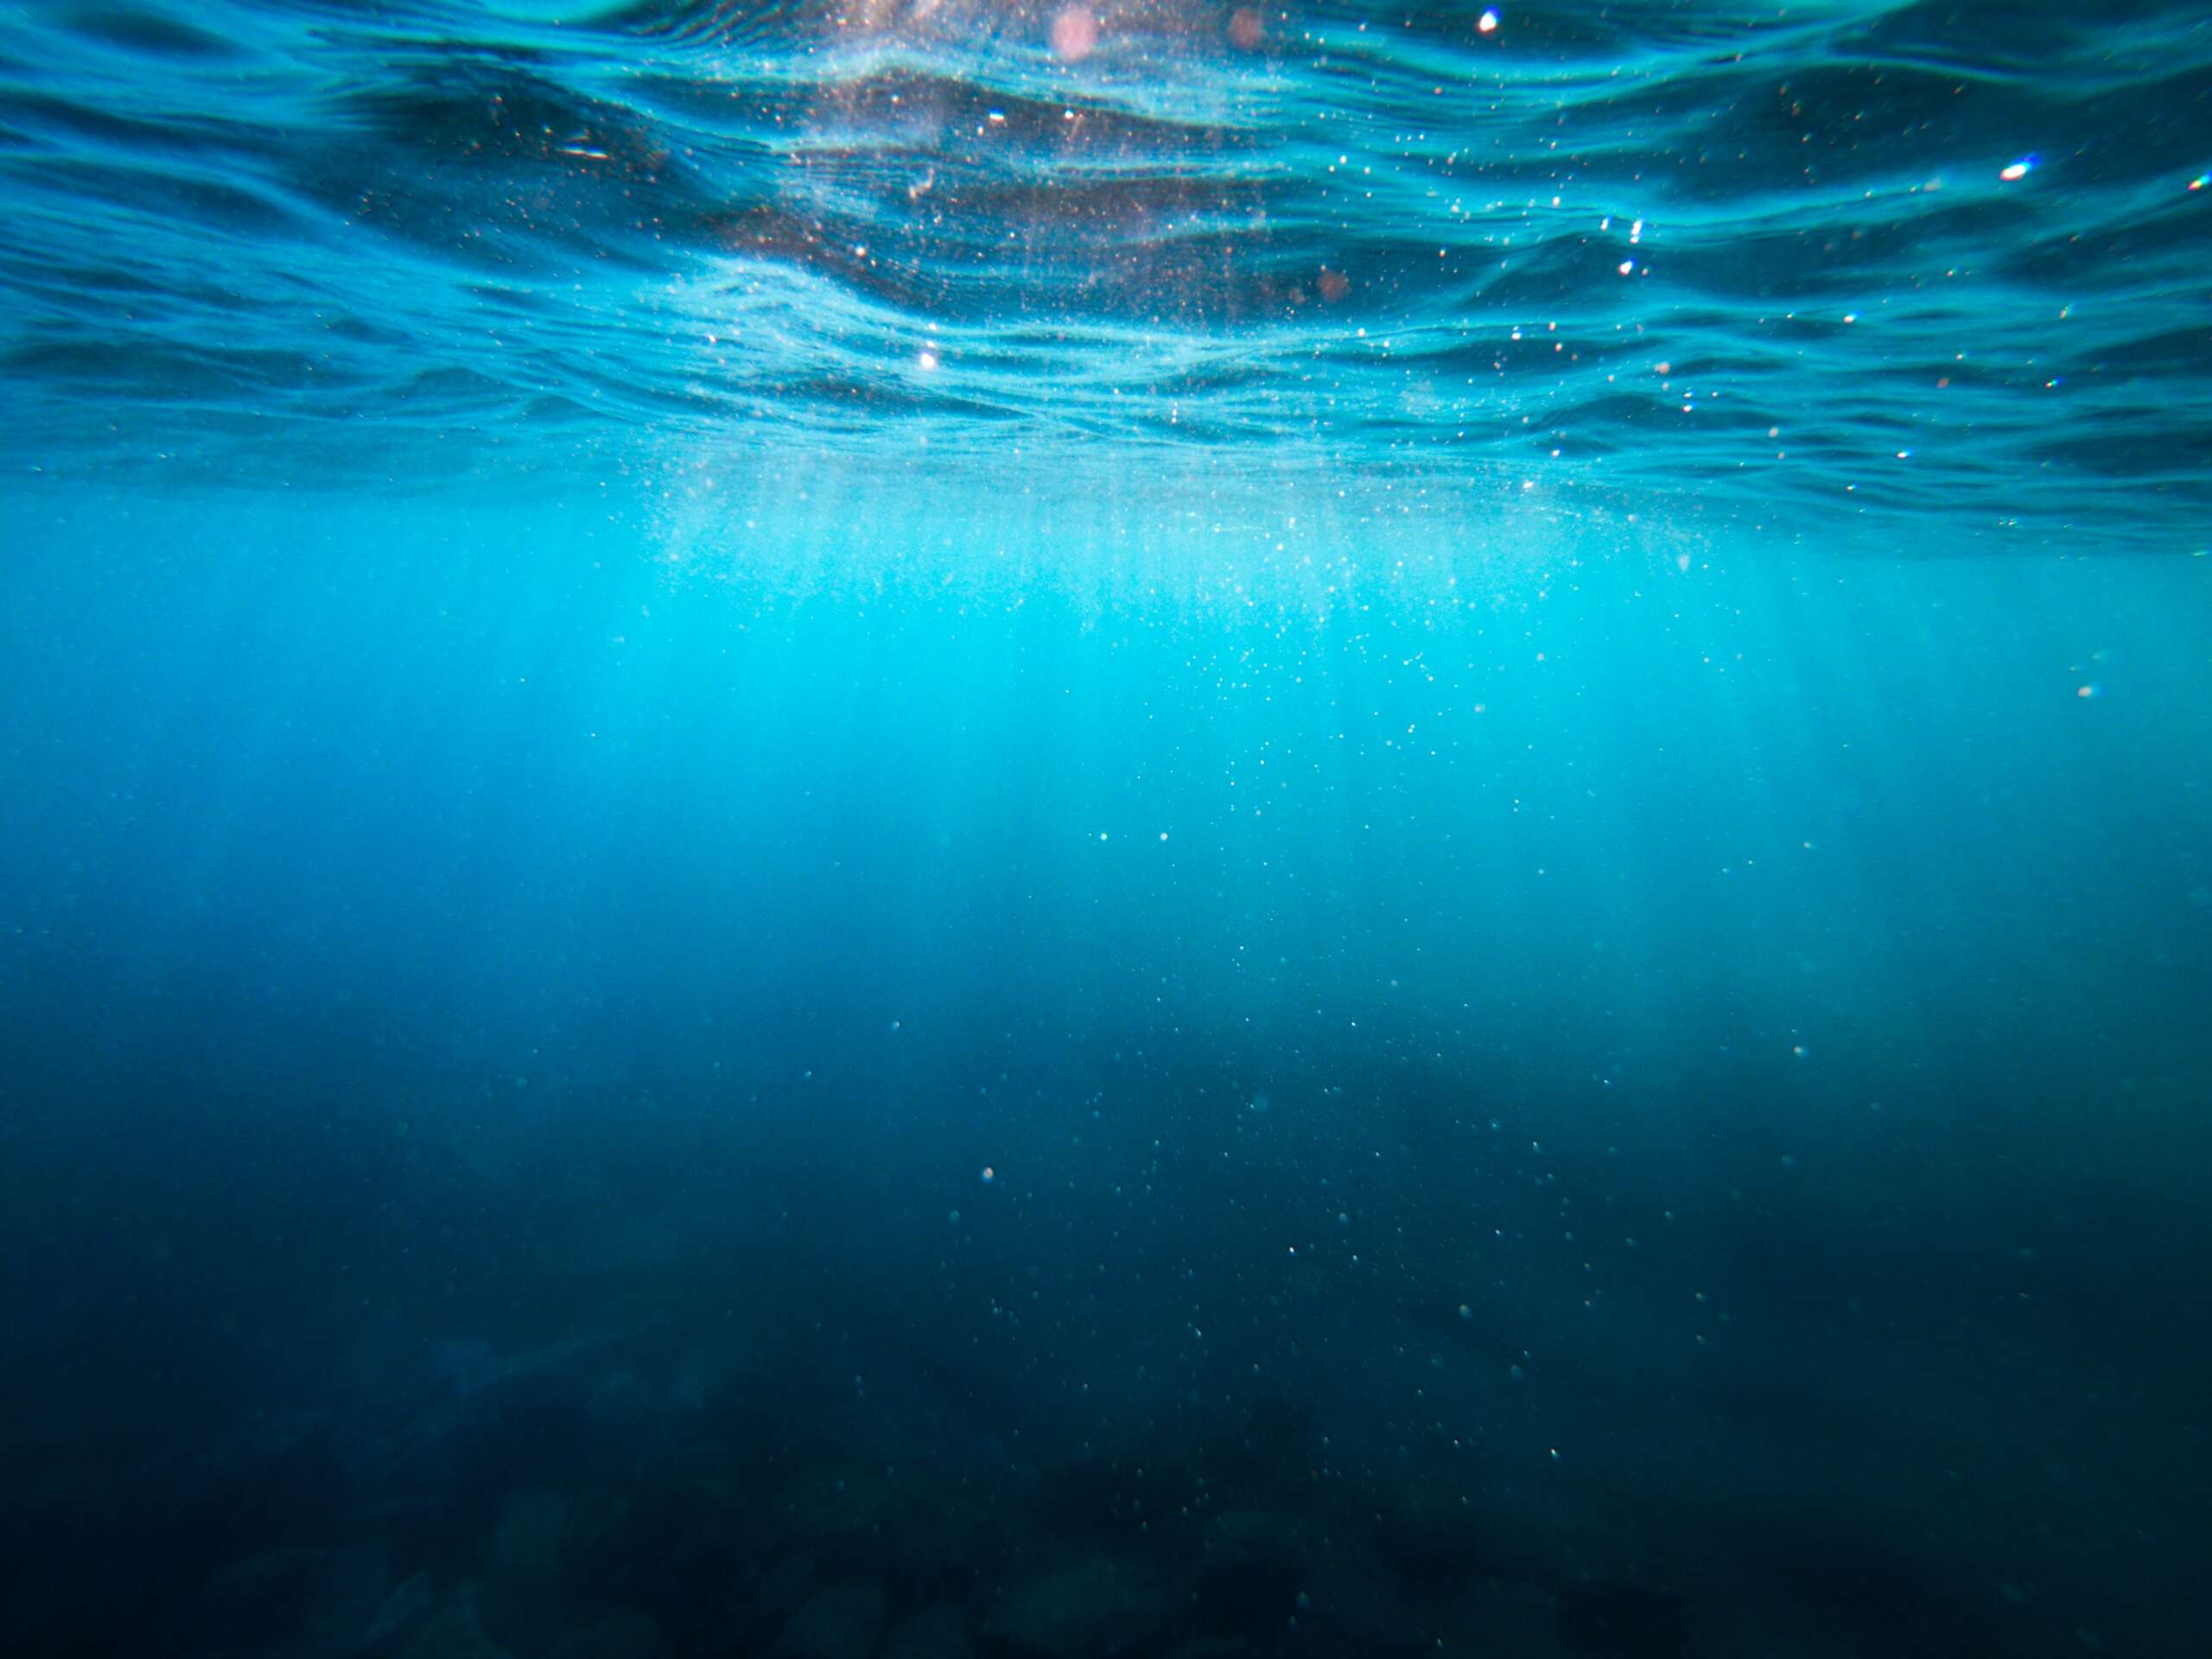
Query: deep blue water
913	832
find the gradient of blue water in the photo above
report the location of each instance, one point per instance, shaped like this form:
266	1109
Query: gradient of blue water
634	645
1763	991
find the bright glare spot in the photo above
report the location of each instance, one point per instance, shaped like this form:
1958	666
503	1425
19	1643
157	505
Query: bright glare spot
1627	265
990	1174
2018	170
1488	21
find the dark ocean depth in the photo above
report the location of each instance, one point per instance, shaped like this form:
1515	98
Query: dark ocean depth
930	831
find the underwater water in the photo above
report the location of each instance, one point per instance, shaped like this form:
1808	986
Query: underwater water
912	830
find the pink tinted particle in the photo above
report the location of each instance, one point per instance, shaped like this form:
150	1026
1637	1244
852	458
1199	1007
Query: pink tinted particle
1075	34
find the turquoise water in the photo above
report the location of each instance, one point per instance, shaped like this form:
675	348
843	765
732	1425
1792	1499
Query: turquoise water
905	830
